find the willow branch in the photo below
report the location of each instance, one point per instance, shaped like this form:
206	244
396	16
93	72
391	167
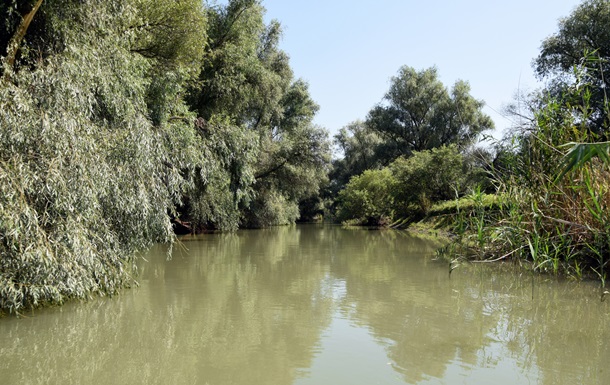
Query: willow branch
15	43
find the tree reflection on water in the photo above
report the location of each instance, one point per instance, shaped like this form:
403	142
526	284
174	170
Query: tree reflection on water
260	307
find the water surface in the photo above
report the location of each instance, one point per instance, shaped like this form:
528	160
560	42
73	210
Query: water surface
316	305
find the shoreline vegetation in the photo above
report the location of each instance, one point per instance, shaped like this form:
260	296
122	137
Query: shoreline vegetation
125	122
541	195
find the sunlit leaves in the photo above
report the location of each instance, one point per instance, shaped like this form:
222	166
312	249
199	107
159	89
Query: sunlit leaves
419	113
582	153
82	186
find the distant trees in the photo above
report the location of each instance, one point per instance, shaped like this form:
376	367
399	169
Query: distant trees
430	176
419	113
406	188
360	148
368	198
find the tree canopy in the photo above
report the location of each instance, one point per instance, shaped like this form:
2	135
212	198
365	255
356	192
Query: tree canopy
246	81
360	147
582	41
419	113
123	119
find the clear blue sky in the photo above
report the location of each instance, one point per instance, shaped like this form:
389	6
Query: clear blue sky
348	50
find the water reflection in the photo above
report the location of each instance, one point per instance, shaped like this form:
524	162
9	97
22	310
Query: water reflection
315	305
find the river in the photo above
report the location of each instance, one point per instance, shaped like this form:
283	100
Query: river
315	304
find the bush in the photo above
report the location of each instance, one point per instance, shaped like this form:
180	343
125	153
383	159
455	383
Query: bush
270	209
368	198
428	177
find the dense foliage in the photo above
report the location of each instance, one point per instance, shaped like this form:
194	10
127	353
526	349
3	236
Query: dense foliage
246	82
406	188
120	117
362	150
418	113
414	149
554	178
582	38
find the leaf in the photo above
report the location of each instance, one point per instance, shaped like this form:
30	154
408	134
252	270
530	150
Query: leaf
582	153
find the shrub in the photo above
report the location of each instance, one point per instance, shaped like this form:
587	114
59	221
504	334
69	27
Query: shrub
428	177
368	198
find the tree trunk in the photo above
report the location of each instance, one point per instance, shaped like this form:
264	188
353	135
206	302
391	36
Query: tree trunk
15	43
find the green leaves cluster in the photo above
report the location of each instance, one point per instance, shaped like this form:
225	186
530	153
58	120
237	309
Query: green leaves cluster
554	181
246	82
420	114
81	178
406	188
410	151
368	198
582	41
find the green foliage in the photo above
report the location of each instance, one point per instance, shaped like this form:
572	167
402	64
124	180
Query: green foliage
246	81
407	188
427	177
224	178
82	186
466	203
583	153
121	116
583	41
243	75
295	166
359	146
368	198
419	114
583	32
555	202
171	32
271	208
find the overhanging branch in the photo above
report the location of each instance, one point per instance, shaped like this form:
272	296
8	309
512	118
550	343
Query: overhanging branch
15	43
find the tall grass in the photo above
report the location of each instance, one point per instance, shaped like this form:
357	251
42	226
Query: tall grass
554	212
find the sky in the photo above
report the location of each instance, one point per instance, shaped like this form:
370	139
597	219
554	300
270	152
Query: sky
348	50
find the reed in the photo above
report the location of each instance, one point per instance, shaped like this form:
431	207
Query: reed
555	196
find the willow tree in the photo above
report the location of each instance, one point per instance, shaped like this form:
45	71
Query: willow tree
582	41
419	113
84	174
361	148
246	82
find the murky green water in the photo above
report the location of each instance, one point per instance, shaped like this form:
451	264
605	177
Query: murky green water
316	305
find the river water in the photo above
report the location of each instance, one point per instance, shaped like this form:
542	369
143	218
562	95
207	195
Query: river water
319	305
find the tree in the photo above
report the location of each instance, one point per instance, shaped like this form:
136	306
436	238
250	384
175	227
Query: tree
293	162
244	74
585	31
583	41
359	145
427	177
368	198
85	176
120	116
246	82
419	114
